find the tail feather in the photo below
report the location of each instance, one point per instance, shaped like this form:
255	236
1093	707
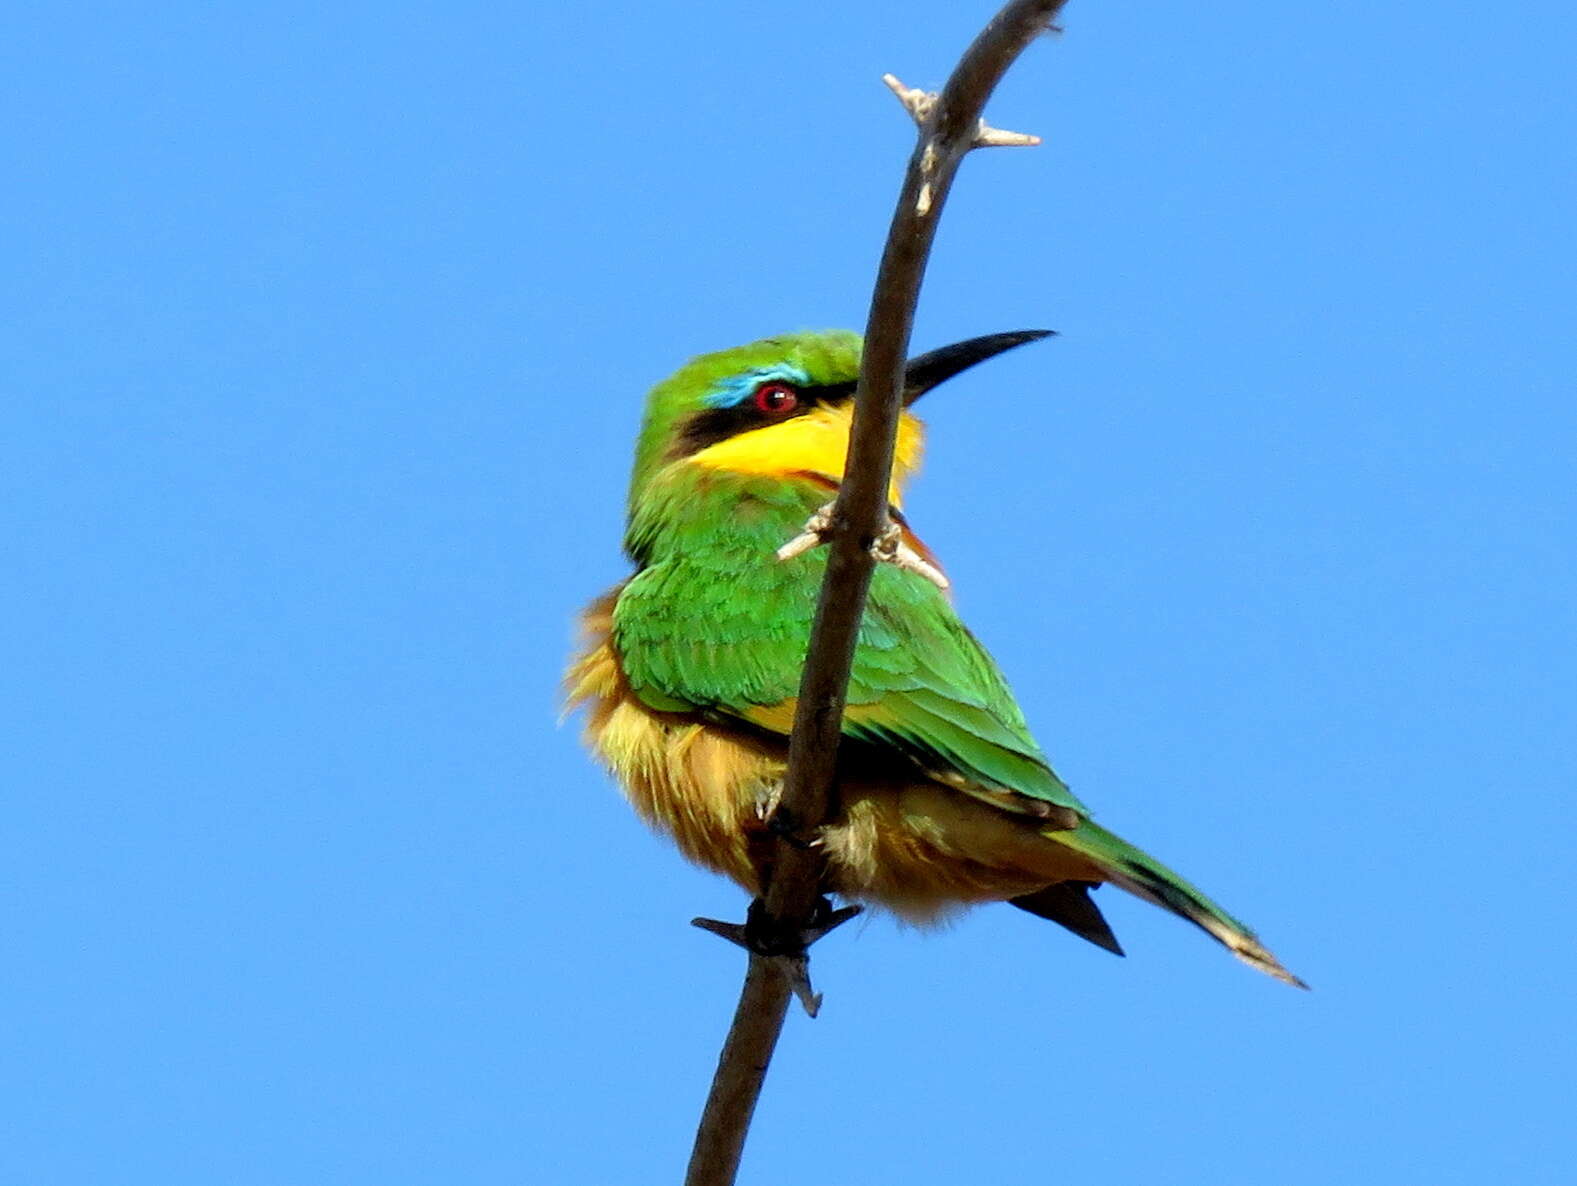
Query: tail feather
1068	904
1145	877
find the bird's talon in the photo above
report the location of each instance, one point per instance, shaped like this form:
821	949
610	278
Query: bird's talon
734	932
767	800
828	920
812	535
889	547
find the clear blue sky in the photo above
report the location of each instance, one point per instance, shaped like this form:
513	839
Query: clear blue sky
324	339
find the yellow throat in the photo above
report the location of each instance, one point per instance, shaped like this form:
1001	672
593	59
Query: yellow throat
815	443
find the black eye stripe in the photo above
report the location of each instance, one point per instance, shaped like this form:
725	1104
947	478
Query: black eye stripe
712	425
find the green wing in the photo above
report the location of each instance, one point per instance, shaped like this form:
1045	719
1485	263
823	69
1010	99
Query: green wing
704	633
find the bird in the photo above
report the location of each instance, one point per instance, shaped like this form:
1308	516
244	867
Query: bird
687	672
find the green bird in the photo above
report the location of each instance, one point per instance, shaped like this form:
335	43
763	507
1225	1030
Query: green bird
690	668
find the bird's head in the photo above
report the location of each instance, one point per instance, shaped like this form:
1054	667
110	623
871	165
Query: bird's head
783	406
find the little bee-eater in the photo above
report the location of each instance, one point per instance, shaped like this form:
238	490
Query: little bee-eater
691	667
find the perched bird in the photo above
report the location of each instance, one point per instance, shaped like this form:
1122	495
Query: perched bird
690	668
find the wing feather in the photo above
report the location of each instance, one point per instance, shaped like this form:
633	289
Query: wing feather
922	686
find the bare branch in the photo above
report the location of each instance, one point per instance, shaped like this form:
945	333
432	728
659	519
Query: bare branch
741	1067
782	925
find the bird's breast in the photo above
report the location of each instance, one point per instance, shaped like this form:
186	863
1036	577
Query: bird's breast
698	782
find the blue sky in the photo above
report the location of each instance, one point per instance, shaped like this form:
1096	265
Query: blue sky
323	346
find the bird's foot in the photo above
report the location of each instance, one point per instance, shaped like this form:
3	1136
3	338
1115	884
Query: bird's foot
767	799
817	531
787	949
889	546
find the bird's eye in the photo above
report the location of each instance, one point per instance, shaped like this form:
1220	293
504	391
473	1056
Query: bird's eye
776	399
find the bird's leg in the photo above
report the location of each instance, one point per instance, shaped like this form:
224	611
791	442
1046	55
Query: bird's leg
889	546
787	948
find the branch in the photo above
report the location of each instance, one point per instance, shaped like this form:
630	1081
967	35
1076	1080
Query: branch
792	913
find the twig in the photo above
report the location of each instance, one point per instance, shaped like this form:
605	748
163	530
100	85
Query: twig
784	921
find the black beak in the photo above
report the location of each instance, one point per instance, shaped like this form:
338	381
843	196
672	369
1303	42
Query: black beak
937	366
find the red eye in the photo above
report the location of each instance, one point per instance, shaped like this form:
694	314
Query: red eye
776	399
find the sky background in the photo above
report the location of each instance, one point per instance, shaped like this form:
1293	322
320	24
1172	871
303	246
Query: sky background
323	339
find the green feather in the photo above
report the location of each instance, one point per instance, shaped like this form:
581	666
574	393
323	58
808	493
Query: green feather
715	622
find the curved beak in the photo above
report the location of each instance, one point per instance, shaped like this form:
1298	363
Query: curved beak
937	366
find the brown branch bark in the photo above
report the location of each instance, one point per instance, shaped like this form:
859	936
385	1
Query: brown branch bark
785	920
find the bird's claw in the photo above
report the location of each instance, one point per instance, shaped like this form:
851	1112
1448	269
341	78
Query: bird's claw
788	952
767	799
816	532
889	546
734	932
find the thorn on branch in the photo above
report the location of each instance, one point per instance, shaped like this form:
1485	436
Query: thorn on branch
988	137
920	104
796	969
916	102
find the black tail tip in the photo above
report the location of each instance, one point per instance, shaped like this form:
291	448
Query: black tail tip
1068	905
